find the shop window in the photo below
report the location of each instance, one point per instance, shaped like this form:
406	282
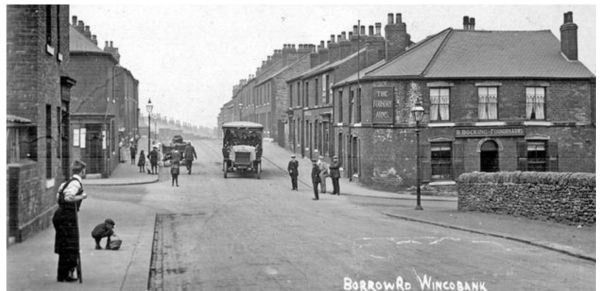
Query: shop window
537	155
441	161
535	105
488	103
440	104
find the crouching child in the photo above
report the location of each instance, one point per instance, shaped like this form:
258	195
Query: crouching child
102	230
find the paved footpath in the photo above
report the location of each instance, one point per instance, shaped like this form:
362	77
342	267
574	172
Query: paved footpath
442	211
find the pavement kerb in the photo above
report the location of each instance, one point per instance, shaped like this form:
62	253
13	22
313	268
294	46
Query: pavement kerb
125	183
499	235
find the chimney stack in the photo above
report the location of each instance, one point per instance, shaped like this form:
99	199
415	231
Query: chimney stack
80	26
362	30
371	31
334	49
472	23
397	39
466	22
74	20
87	32
94	39
345	46
323	52
377	28
568	37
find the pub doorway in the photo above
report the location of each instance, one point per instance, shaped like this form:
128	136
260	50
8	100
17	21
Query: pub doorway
94	153
489	157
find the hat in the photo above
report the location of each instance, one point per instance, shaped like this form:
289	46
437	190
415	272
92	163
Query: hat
313	160
320	157
293	156
109	221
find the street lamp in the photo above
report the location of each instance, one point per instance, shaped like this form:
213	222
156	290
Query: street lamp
149	110
417	112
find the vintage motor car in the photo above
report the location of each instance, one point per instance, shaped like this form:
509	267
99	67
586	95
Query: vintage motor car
242	147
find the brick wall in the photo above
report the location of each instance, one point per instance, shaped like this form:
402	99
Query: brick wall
561	197
30	208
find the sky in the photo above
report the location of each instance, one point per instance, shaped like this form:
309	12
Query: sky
188	57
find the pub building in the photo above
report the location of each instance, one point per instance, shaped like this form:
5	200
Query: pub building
493	100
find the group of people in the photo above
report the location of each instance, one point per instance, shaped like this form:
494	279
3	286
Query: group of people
189	155
319	173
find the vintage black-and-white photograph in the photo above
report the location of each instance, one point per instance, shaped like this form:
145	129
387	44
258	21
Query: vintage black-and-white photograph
300	146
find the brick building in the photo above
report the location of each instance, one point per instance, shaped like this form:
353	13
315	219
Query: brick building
38	98
263	98
494	101
311	114
104	103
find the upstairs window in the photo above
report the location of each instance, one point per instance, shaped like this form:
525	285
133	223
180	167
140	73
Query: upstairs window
488	103
440	104
535	105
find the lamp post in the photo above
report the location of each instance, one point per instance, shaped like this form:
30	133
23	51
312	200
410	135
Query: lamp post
417	112
149	107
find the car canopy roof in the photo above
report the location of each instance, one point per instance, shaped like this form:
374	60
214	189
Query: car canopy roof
242	124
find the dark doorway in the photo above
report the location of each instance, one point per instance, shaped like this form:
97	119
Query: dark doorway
489	156
94	153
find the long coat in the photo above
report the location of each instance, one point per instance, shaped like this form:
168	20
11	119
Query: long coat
293	168
189	153
334	170
315	174
65	223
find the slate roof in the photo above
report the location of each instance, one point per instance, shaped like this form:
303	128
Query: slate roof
352	78
80	43
477	53
326	66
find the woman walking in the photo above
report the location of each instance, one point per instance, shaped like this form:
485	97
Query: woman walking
142	161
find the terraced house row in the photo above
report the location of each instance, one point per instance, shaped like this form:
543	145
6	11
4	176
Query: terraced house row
66	99
493	101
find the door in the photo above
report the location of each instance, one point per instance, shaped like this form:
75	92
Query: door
489	157
94	154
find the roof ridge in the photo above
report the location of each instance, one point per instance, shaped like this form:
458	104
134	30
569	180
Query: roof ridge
439	49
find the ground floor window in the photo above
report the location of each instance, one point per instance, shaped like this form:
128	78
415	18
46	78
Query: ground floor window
536	156
441	161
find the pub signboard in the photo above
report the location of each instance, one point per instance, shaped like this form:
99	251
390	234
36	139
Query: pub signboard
383	105
490	132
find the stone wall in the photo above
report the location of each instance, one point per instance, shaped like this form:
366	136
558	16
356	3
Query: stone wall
561	197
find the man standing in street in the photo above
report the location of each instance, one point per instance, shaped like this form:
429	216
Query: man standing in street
323	173
293	171
315	178
153	156
66	242
334	172
189	155
132	152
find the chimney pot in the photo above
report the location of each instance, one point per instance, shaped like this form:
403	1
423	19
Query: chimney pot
362	30
343	35
472	23
465	22
355	29
371	30
378	28
87	28
339	37
322	44
105	44
390	18
398	18
568	17
350	35
111	43
332	37
74	18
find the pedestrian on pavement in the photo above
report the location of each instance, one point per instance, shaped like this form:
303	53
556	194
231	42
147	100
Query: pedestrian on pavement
189	155
132	151
66	241
153	156
315	178
102	230
142	161
323	173
175	170
334	172
293	171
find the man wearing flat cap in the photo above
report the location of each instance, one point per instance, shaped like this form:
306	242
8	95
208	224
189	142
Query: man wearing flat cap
334	172
315	178
66	242
293	171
